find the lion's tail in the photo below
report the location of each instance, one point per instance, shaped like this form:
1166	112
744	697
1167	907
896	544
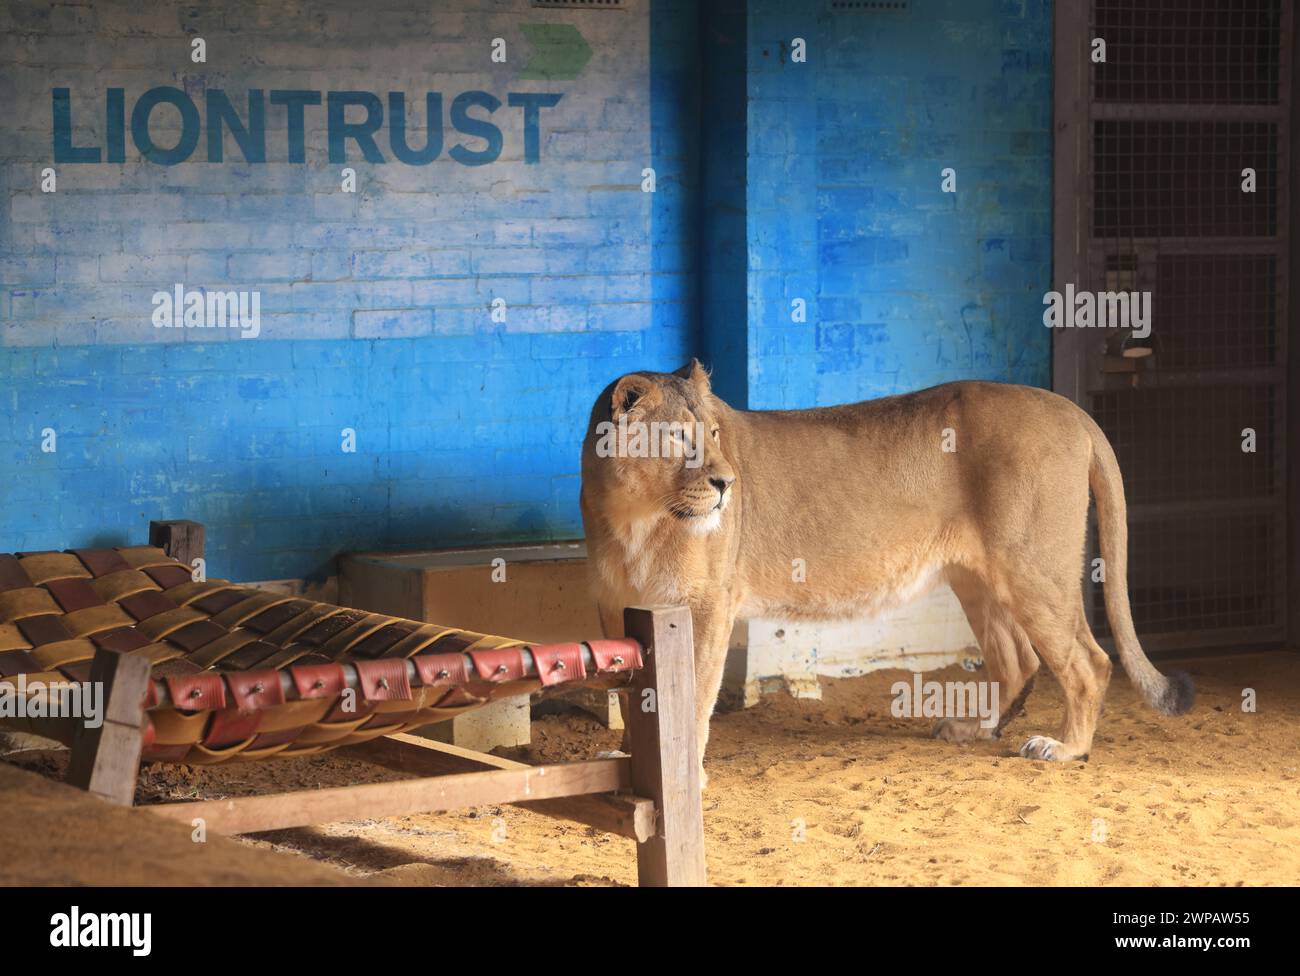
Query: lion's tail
1171	695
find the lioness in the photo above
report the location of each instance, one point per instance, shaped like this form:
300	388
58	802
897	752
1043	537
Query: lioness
984	485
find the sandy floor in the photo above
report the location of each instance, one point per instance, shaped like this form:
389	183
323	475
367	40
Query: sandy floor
51	834
840	792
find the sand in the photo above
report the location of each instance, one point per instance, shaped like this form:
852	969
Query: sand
835	792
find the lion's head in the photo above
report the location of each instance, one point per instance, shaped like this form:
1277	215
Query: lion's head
655	447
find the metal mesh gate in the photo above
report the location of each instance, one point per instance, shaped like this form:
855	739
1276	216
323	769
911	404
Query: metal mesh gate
1171	179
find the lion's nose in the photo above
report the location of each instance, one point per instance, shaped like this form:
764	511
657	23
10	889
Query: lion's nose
722	483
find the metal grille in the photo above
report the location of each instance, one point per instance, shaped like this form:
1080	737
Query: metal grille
1180	595
1191	94
1215	311
1188	51
1183	444
1183	179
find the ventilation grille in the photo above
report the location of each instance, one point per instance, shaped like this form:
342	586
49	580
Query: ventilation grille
868	6
579	4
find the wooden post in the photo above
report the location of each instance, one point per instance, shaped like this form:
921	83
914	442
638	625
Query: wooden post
661	730
106	760
179	538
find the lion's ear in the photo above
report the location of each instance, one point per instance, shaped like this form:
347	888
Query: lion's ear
695	372
633	392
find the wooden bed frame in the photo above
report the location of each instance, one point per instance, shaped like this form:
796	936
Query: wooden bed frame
651	796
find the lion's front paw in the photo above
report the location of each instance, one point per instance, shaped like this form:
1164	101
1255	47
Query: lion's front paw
1045	747
963	730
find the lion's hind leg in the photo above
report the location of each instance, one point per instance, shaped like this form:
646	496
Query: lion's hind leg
1083	670
1008	656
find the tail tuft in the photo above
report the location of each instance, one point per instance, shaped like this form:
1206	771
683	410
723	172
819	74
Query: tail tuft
1179	694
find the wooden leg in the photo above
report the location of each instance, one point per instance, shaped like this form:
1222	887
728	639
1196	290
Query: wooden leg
106	760
661	729
179	538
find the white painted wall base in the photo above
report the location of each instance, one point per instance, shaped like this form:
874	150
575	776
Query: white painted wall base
773	655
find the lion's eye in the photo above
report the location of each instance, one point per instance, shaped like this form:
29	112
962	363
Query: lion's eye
715	433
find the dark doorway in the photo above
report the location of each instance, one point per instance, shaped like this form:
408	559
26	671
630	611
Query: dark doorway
1172	176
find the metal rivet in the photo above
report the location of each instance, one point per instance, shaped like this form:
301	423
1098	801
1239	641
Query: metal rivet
502	669
444	673
559	665
196	693
259	688
618	659
383	682
319	683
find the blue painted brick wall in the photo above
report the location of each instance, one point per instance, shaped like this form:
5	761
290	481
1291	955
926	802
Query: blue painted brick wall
775	181
374	305
724	30
905	286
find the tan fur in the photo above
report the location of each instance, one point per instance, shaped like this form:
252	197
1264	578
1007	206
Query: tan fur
878	512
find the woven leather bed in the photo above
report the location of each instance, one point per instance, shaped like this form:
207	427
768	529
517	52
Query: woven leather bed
240	673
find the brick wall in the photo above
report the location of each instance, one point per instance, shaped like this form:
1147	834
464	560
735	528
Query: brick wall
774	181
375	305
904	285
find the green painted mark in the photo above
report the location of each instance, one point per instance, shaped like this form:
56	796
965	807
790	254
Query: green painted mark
561	52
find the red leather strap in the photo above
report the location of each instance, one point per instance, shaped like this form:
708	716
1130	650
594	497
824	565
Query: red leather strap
558	662
255	689
318	680
440	669
616	654
384	680
231	725
503	664
195	692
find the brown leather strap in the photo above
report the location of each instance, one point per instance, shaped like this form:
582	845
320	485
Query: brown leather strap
220	654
